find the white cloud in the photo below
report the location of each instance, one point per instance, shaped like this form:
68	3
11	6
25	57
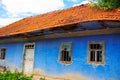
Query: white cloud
83	2
6	21
73	0
17	9
32	6
76	5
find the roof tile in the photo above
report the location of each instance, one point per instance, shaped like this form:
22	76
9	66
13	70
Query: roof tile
68	16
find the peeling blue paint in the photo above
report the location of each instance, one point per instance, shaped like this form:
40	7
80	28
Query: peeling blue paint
47	53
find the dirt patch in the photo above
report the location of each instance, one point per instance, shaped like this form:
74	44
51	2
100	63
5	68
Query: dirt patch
74	76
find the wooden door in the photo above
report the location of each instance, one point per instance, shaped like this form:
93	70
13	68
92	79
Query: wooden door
28	59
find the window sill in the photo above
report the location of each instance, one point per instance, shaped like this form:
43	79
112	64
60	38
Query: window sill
2	60
96	63
66	62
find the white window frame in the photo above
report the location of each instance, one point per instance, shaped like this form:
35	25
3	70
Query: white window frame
70	52
95	50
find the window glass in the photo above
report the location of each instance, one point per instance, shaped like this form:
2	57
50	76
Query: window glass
65	52
2	53
96	52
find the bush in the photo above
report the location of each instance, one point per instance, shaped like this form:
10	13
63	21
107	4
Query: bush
8	75
106	4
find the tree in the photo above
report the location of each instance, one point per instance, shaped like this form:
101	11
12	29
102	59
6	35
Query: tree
106	4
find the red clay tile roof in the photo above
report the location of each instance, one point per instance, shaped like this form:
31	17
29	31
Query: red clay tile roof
69	16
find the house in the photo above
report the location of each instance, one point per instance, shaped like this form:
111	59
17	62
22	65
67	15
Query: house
78	43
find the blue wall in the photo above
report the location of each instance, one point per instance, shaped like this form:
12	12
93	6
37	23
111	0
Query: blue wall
47	51
14	55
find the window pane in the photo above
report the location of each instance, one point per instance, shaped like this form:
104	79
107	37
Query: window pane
69	57
62	56
65	52
96	50
3	52
91	46
99	56
99	46
92	56
29	46
95	46
66	55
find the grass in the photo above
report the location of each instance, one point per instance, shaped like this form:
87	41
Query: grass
8	75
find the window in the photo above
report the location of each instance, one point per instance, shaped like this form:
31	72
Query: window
96	52
29	46
65	56
2	53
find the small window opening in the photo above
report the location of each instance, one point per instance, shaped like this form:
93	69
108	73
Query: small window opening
96	52
65	53
99	56
29	46
92	56
2	53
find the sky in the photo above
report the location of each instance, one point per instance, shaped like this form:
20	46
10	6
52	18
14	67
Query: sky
14	10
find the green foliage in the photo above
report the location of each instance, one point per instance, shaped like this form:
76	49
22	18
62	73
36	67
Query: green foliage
106	4
8	75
